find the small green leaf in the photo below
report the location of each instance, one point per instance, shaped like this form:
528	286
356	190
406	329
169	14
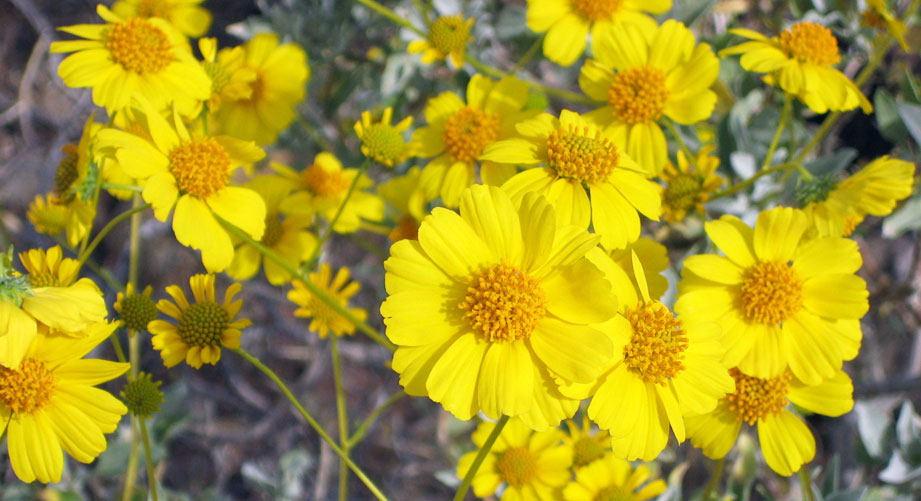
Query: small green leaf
887	117
904	219
911	117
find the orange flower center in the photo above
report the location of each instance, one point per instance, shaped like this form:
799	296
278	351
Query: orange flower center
28	388
597	9
810	42
273	230
638	95
771	292
575	154
757	398
407	228
67	171
139	46
517	466
656	349
201	166
322	182
449	34
587	449
202	324
504	304
468	131
682	192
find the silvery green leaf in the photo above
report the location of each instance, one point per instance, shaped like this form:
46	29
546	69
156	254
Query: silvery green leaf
898	471
904	219
911	117
887	117
872	426
673	492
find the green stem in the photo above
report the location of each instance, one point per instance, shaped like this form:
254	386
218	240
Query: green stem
149	456
687	151
784	116
748	182
87	250
805	484
298	275
339	211
342	414
362	429
119	353
714	481
529	54
311	421
391	15
132	470
125	187
478	460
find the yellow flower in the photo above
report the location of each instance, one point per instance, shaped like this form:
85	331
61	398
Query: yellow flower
801	61
284	235
201	328
837	208
281	75
587	446
322	188
688	186
383	142
186	15
877	15
231	78
643	77
663	368
135	310
490	308
448	37
51	215
533	466
191	171
781	299
409	201
654	257
567	22
48	402
458	133
612	478
786	441
579	160
324	319
132	55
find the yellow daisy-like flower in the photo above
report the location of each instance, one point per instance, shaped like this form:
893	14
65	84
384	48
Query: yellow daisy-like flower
786	442
491	307
323	186
186	15
51	215
324	319
284	235
281	75
192	172
533	466
837	208
201	328
801	61
135	309
231	78
458	133
643	77
567	22
688	186
613	479
448	37
48	402
408	199
654	257
383	142
781	299
664	367
575	159
132	55
587	446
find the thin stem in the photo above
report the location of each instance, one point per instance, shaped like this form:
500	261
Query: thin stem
529	54
119	353
805	484
478	460
125	187
687	151
339	211
748	182
391	15
132	470
362	429
714	481
423	10
85	253
149	456
784	116
342	414
311	421
298	275
134	346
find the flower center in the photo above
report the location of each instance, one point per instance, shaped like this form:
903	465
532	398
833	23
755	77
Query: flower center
614	493
44	279
324	183
810	42
757	398
517	466
408	229
468	131
504	304
139	46
771	292
137	311
586	450
67	170
656	349
273	230
576	155
449	34
142	396
28	388
200	166
203	323
638	95
851	222
681	191
153	8
384	143
597	9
